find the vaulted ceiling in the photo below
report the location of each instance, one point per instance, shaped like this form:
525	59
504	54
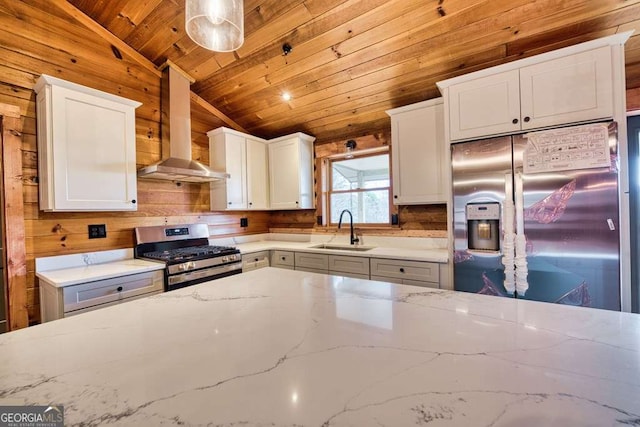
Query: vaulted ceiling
354	59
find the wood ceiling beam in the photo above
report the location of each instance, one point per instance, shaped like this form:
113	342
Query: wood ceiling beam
107	35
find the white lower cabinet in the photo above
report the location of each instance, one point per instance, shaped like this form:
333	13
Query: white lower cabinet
255	260
317	262
59	302
282	259
417	273
349	266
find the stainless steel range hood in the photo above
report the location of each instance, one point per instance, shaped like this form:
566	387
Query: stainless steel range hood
175	106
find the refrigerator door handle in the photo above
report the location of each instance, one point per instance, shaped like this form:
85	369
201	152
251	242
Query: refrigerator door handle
508	242
520	260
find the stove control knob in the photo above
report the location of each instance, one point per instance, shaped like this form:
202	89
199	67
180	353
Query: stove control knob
225	259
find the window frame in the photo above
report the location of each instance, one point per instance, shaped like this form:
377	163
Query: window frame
330	191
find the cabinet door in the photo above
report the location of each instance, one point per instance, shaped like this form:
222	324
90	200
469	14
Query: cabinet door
236	161
284	174
418	149
257	175
282	259
565	90
91	145
349	264
309	260
405	270
485	106
100	292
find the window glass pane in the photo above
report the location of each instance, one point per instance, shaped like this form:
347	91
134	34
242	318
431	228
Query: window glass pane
367	207
360	172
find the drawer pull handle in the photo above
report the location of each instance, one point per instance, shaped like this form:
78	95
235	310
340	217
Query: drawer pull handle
284	258
526	119
401	270
514	121
256	259
119	289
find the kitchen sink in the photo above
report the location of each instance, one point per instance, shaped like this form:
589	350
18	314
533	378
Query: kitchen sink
343	247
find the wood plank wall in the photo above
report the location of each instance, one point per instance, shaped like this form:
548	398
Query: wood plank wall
38	38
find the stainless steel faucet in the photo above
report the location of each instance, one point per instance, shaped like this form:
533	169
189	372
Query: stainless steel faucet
354	240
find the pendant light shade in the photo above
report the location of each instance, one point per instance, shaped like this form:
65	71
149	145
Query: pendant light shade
216	25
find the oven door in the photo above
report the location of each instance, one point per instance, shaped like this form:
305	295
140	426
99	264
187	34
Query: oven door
181	280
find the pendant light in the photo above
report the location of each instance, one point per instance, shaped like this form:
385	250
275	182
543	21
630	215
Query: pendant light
216	25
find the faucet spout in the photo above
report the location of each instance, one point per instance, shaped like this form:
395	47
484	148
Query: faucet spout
353	239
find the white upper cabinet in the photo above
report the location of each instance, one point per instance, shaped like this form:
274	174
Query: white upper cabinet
572	89
485	106
257	175
86	148
570	85
244	157
291	172
418	154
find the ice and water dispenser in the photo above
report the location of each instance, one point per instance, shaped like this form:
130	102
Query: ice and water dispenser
483	226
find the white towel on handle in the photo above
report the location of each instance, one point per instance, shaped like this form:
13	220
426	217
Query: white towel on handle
508	244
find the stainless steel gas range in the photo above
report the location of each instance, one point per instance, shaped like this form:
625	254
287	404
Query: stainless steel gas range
186	252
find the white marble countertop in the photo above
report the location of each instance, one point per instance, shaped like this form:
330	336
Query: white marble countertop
391	248
92	272
277	347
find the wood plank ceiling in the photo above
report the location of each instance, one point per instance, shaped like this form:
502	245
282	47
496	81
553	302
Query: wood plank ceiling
353	59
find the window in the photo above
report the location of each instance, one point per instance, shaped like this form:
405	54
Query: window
361	185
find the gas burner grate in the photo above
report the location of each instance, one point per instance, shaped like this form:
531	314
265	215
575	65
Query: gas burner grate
190	252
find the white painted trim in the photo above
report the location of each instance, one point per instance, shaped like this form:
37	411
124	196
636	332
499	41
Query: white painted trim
616	39
416	106
302	136
226	130
47	80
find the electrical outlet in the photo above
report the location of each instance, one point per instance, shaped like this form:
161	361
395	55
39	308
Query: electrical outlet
97	231
244	222
394	219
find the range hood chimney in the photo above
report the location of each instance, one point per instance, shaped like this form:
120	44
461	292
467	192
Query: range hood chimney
175	107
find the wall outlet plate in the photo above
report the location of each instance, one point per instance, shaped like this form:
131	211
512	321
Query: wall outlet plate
97	231
394	219
244	222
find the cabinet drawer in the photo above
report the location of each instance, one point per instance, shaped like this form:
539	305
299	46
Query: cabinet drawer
282	259
104	291
349	264
307	260
255	261
255	256
409	270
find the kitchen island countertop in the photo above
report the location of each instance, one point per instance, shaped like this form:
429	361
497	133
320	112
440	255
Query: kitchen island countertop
93	272
280	347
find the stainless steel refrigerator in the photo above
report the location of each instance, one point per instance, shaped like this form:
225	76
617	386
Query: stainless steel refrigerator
536	216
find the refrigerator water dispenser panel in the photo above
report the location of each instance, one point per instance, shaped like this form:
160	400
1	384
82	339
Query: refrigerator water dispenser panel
483	225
